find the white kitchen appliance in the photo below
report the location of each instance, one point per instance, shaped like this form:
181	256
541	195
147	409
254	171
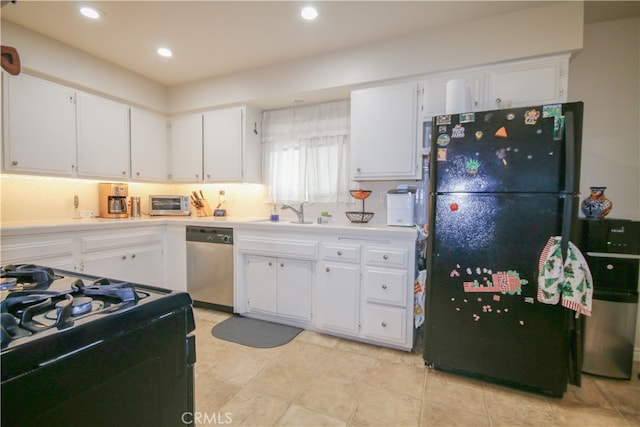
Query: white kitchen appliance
401	206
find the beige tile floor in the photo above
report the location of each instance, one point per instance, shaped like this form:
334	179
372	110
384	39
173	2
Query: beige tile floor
319	380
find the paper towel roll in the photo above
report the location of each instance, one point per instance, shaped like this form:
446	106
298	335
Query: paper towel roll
458	96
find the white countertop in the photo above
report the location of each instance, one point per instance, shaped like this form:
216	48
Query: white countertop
256	224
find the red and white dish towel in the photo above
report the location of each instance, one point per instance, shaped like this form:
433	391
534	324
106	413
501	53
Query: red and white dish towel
569	280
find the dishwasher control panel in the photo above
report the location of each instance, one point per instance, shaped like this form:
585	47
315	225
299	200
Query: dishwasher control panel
210	234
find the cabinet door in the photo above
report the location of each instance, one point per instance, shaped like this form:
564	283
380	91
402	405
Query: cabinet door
149	146
145	265
385	133
261	278
294	288
528	84
186	148
39	126
222	146
338	297
103	138
111	264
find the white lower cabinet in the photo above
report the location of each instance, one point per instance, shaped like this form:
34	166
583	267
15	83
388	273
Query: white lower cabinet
338	297
350	285
279	286
135	256
53	250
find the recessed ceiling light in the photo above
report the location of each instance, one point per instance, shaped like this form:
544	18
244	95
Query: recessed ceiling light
90	12
309	13
163	51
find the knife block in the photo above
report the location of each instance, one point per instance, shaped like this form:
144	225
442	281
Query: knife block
205	210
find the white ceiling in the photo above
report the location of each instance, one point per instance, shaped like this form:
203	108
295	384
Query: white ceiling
214	38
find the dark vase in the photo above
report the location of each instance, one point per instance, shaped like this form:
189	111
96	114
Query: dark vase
596	206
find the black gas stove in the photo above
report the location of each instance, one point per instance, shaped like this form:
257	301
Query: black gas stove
84	350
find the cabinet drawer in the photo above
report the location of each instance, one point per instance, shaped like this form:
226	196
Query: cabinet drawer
384	323
388	257
101	242
385	286
348	253
306	249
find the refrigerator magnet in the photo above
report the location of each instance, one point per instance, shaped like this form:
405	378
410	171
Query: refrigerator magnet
554	110
502	132
443	140
457	131
531	117
479	135
467	117
442	155
443	120
442	129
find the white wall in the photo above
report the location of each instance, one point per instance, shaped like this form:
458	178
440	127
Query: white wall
50	59
606	76
533	32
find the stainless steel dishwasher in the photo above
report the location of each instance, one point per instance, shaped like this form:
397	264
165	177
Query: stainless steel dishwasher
210	267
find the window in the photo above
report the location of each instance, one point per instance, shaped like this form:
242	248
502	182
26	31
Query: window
306	153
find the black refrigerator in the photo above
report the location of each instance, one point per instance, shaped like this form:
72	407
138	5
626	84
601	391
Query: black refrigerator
501	184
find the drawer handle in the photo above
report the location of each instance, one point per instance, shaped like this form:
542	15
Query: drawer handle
339	253
384	324
327	269
385	256
384	286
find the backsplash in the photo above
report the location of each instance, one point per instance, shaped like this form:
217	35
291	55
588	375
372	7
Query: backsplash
25	198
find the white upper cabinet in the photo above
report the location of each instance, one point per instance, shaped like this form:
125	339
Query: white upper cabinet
149	146
217	146
517	84
535	83
186	148
232	149
39	126
222	131
385	132
103	138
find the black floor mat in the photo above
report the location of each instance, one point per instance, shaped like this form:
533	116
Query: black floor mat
253	332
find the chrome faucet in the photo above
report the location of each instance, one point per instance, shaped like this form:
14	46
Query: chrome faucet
299	212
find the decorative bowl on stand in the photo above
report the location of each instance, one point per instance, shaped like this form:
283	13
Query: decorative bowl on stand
362	216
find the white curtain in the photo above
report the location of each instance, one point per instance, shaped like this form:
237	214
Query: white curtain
306	153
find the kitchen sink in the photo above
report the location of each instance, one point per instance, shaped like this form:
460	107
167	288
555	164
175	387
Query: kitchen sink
283	222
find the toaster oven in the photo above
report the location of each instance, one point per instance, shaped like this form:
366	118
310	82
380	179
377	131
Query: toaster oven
169	205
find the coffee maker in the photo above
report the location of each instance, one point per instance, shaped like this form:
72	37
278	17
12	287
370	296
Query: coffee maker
113	200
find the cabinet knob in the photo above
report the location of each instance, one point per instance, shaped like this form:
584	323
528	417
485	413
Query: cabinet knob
133	256
14	163
339	253
197	176
358	170
327	269
475	103
270	264
124	257
208	176
137	173
282	264
385	256
124	173
498	101
384	286
384	324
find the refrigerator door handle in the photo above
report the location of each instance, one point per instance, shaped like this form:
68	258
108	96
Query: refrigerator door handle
569	190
